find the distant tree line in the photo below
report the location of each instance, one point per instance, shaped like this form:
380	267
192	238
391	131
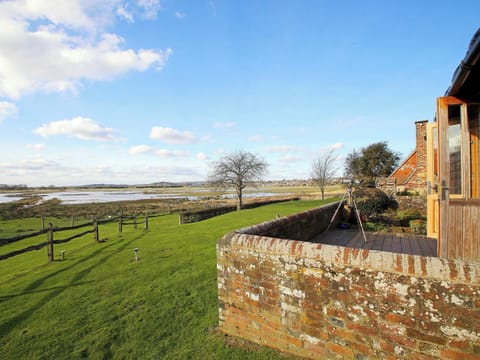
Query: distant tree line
13	187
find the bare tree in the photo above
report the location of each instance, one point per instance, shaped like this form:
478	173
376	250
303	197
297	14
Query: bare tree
323	170
237	170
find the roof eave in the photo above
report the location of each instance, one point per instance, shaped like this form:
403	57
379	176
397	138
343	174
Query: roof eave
463	81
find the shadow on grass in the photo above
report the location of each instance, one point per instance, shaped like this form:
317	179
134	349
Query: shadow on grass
9	325
8	297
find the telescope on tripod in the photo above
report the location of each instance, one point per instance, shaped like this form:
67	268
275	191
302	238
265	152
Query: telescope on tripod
351	201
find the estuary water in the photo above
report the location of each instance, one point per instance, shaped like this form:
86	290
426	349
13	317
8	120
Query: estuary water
85	196
5	198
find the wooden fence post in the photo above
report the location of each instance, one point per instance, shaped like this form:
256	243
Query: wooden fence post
50	242
43	222
73	220
146	222
120	229
135	222
95	231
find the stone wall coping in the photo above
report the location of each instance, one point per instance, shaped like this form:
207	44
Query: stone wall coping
262	228
373	260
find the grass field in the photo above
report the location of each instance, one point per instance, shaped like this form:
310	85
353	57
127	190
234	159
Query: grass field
99	303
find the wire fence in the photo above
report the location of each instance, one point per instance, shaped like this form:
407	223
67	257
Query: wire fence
51	230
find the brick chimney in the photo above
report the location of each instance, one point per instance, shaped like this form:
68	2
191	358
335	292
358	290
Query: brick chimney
421	147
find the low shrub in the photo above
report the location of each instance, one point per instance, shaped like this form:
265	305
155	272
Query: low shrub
372	202
374	227
418	227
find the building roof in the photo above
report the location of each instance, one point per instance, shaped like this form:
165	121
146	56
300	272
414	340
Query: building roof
404	172
466	79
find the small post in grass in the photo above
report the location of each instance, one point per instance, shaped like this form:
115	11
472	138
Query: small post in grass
136	254
63	254
43	222
120	228
146	222
50	242
95	231
135	222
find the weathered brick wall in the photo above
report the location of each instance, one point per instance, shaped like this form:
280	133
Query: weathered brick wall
302	226
412	202
322	302
418	181
421	147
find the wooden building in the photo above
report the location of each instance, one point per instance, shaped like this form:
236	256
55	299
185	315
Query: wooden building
453	163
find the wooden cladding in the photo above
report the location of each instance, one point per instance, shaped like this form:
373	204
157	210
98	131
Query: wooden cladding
463	230
474	132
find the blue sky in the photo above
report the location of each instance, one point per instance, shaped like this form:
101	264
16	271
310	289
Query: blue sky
141	91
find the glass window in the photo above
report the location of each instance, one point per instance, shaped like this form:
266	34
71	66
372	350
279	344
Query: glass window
473	111
455	149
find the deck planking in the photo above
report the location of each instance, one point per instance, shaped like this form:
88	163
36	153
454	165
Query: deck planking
403	244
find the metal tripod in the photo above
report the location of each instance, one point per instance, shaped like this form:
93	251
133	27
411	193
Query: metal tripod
351	199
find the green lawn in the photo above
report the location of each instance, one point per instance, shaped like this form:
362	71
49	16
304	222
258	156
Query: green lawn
99	303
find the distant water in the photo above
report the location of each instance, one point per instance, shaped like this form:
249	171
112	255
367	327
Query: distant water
5	198
85	197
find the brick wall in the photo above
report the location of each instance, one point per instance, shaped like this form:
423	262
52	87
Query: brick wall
322	301
418	181
302	226
412	202
421	147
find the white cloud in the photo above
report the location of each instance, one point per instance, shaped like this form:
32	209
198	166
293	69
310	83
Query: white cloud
224	125
54	45
337	146
79	127
164	153
38	164
38	171
36	147
34	163
172	136
326	149
256	138
180	15
125	14
291	159
140	149
201	156
150	7
57	174
280	149
7	109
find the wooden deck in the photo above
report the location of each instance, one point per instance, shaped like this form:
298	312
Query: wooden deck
405	244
